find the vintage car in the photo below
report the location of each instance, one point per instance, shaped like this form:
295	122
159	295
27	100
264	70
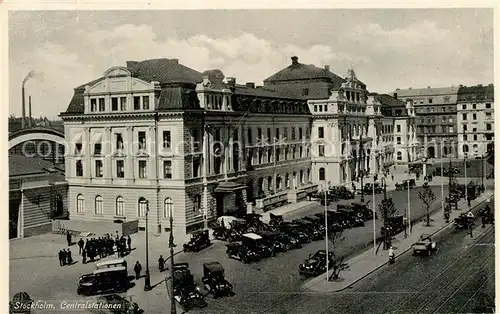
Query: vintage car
256	243
316	264
369	187
200	239
295	231
394	225
270	239
214	281
463	222
114	279
310	229
364	210
186	293
424	245
411	183
288	241
239	251
354	219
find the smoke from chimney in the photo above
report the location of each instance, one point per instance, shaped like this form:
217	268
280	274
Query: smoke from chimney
30	74
29	111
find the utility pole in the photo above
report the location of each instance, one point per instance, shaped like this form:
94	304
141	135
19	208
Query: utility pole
171	245
326	235
147	278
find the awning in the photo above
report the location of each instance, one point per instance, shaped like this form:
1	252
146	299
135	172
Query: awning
77	139
96	138
229	187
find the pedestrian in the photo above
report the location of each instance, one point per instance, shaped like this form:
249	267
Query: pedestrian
129	243
468	201
161	263
392	176
80	246
69	257
68	238
137	270
61	259
84	256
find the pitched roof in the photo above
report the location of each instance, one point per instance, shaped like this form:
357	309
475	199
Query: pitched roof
479	92
299	71
388	100
256	92
20	165
430	91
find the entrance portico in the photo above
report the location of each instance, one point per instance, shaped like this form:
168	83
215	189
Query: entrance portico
230	198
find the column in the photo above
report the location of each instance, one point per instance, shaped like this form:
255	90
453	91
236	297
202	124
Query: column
87	166
241	147
206	154
231	150
152	148
129	153
107	151
225	167
210	151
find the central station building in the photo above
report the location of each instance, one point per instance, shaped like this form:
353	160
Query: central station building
160	138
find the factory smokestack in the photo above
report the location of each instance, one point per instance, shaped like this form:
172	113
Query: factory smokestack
29	112
30	74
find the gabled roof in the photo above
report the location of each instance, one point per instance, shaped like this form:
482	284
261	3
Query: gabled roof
20	165
299	71
430	91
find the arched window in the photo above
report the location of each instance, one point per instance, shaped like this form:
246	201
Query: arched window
301	176
79	204
278	182
98	205
321	174
400	156
120	204
269	183
287	180
261	185
168	207
475	147
142	207
465	148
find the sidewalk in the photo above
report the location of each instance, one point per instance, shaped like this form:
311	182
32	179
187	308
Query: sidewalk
366	263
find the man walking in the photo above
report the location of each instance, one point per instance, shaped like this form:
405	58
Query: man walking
61	259
84	256
69	257
129	243
68	238
137	270
80	246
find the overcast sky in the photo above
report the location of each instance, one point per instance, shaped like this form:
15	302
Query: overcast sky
388	49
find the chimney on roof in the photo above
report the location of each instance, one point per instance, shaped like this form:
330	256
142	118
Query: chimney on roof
409	88
395	95
460	85
295	60
397	88
131	64
250	85
428	87
175	60
327	67
29	111
231	83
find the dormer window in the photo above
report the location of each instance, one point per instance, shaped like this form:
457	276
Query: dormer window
123	103
114	103
93	105
145	102
137	103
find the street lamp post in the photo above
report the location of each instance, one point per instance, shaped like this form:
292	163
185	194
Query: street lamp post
326	235
147	279
171	244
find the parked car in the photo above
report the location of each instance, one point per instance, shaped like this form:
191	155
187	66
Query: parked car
310	229
463	222
289	242
186	292
114	279
316	264
295	231
200	239
424	245
239	251
411	183
214	280
255	243
270	239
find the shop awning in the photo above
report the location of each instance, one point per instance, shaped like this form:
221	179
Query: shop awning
229	187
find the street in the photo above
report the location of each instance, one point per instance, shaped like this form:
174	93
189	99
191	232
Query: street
256	285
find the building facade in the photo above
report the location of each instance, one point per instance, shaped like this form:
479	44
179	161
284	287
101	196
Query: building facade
159	138
436	119
475	120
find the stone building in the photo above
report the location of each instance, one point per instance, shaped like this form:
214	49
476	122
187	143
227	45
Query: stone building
475	120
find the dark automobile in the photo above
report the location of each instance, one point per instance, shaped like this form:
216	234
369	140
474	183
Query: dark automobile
463	222
270	239
364	210
394	225
354	219
255	243
411	183
200	239
289	242
186	293
314	232
114	279
221	233
239	251
316	264
335	221
214	281
369	187
275	220
295	231
115	304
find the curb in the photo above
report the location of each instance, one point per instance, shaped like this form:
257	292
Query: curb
403	252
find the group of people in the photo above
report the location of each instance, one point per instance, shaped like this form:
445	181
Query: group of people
65	257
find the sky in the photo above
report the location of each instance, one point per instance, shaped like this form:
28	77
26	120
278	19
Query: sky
388	49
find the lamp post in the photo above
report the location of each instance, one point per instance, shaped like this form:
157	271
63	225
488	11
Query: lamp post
173	309
147	279
326	235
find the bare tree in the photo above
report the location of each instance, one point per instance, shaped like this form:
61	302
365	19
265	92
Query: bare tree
334	240
427	196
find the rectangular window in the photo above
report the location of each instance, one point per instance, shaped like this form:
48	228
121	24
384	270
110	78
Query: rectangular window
398	139
98	168
120	169
145	102
123	103
398	128
259	134
197	203
321	132
464	116
277	134
196	166
166	139
473	106
305	92
488	115
79	168
488	106
450	130
137	103
321	150
293	133
320	108
315	108
167	169
114	104
141	137
196	140
249	136
261	156
464	107
488	127
465	127
326	108
285	133
143	170
102	106
489	137
430	100
97	148
465	138
474	116
475	137
93	105
119	141
268	134
278	154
